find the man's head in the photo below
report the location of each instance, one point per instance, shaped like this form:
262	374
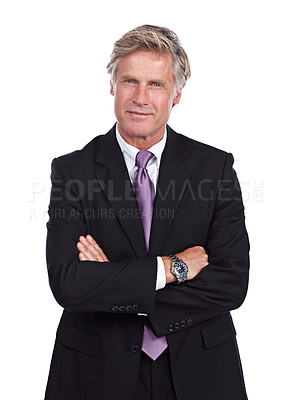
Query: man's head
149	69
156	39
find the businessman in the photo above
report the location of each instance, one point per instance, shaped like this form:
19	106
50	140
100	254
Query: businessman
147	249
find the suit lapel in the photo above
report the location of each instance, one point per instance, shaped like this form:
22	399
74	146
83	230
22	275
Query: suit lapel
173	175
113	178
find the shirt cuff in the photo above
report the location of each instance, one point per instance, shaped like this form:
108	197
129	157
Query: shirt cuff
161	274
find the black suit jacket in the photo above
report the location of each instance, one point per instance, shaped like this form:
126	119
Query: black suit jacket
198	202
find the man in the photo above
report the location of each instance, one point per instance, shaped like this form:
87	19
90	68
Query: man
147	249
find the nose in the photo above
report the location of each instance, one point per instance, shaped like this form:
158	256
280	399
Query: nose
141	96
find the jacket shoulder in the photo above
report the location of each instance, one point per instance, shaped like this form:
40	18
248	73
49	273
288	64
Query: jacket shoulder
88	150
201	152
194	145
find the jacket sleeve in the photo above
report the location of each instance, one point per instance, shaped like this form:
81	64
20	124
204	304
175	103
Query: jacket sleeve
83	286
222	285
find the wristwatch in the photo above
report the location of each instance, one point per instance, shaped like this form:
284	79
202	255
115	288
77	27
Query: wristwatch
179	269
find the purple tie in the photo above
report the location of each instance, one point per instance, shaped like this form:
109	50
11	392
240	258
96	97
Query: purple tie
145	194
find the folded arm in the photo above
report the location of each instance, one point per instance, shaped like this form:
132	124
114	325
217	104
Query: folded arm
195	257
84	286
222	285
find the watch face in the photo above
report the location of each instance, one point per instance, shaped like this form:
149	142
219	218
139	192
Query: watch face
180	269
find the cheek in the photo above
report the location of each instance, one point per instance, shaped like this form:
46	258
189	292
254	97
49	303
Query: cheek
165	106
122	99
119	103
165	102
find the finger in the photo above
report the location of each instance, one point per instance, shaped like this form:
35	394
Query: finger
82	257
88	252
88	245
92	249
201	249
97	247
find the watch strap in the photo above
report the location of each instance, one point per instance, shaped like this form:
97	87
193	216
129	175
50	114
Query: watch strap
174	259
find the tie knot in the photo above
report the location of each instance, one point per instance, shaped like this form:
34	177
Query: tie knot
142	158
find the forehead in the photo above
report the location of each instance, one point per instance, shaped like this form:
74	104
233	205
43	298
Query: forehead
147	63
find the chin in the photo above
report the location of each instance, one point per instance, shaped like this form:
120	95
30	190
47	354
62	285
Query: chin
137	130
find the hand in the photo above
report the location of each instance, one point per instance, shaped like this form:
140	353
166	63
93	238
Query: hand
89	250
195	258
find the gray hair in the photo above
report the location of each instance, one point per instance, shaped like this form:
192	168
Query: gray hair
153	38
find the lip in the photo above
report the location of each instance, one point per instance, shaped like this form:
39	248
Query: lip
140	114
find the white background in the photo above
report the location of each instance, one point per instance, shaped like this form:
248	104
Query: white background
55	98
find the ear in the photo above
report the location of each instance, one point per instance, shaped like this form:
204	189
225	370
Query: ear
111	88
177	98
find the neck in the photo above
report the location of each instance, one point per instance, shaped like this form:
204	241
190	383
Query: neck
141	142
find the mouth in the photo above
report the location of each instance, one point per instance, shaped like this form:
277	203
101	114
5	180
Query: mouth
139	114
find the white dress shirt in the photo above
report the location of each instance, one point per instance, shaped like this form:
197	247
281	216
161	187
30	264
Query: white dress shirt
129	153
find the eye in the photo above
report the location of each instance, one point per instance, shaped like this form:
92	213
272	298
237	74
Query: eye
156	84
130	81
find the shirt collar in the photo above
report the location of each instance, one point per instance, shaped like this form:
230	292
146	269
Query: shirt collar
130	152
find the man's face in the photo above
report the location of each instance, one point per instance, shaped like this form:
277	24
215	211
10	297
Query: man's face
144	95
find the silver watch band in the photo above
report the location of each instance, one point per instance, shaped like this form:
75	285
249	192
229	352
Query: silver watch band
174	258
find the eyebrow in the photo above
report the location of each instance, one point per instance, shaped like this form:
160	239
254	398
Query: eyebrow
126	77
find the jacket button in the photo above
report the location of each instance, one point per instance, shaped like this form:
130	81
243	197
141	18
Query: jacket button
135	307
121	308
135	348
183	323
114	308
189	321
176	325
170	328
128	308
